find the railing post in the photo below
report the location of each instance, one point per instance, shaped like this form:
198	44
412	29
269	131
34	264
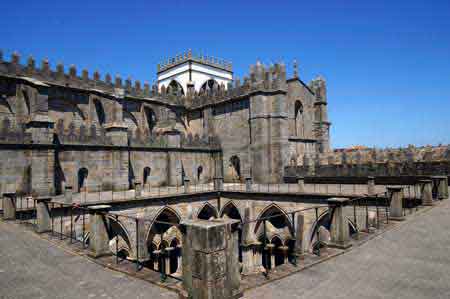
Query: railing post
43	215
426	192
371	185
9	206
395	195
248	184
68	194
299	228
99	240
340	234
210	263
301	184
137	189
187	185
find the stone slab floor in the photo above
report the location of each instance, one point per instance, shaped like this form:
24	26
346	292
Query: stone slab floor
34	268
411	261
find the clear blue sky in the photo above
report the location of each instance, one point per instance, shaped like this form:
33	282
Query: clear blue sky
387	63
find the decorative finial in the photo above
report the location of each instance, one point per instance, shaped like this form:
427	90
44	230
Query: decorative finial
295	69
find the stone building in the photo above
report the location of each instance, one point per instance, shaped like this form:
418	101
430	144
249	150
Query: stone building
65	128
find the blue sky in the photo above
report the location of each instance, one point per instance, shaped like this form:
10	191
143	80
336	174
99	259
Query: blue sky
387	63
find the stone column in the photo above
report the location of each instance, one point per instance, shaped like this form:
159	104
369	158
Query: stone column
340	234
284	250
371	185
99	240
187	185
270	247
210	263
257	254
426	192
299	223
395	195
137	189
218	183
156	254
440	183
169	251
179	261
248	184
9	206
68	194
301	184
43	214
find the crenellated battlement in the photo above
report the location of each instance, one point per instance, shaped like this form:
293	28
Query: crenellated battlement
200	58
261	78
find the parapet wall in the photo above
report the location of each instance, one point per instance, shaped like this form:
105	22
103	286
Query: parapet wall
261	78
377	162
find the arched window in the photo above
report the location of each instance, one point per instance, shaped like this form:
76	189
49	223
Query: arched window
82	177
298	119
199	172
209	85
150	117
235	163
207	212
100	111
174	88
146	175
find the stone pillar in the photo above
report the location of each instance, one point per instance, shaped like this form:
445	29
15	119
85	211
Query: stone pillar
9	206
210	263
301	184
156	254
371	185
395	195
68	193
440	184
257	254
169	251
299	227
187	185
99	240
137	189
270	248
43	214
426	192
248	184
179	261
218	183
340	234
284	250
117	132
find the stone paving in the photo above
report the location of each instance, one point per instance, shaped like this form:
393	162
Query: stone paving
410	261
34	268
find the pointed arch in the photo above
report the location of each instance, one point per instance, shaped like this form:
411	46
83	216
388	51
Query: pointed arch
207	211
130	120
279	220
299	129
209	85
231	210
174	88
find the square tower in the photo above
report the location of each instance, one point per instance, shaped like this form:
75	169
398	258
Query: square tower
193	72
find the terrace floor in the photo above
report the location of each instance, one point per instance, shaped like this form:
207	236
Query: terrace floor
410	261
31	267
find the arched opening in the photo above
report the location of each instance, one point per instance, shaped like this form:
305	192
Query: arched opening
207	212
273	226
209	85
199	173
82	179
231	211
163	242
298	120
100	112
146	175
175	88
119	242
235	164
150	117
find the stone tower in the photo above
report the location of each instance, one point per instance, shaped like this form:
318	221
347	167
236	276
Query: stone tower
268	123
